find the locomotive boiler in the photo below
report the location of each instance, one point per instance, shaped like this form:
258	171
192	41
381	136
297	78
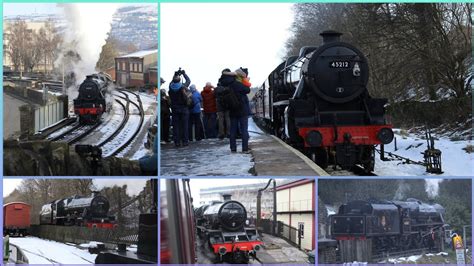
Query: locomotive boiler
318	102
391	225
230	215
91	102
225	227
76	210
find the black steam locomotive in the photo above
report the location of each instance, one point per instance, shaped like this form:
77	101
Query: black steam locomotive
223	226
318	102
76	210
391	225
91	103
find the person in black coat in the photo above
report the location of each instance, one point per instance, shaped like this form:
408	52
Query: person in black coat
238	117
179	108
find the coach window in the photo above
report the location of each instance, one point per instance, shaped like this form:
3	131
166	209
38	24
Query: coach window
123	66
301	229
140	68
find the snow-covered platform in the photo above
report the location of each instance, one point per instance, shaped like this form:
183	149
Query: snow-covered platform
41	251
269	156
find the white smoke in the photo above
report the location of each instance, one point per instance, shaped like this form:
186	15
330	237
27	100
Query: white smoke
432	187
402	189
86	32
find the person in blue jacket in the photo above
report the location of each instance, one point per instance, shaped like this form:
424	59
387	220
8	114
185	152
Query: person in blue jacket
195	119
239	117
179	108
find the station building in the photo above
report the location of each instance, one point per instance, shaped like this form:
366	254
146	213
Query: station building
296	205
137	69
44	65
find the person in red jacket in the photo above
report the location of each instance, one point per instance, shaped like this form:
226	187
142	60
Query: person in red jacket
210	110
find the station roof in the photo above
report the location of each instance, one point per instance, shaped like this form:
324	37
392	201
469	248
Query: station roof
15	202
294	183
142	53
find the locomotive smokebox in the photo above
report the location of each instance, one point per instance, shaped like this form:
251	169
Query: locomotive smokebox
330	36
227	197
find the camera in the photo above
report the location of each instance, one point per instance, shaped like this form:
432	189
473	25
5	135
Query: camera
179	72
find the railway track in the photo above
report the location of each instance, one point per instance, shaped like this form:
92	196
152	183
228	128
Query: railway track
120	138
76	133
115	144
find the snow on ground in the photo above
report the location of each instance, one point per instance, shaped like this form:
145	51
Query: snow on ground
40	251
208	157
92	244
455	161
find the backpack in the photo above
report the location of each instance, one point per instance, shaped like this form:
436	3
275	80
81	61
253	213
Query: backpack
229	100
188	96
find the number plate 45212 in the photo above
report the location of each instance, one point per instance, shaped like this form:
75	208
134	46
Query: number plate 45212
339	64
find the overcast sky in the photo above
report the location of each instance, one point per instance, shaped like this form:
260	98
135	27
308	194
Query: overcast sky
15	9
134	186
198	183
205	38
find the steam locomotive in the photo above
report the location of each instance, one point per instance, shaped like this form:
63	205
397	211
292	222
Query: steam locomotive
391	225
91	103
319	103
223	226
76	210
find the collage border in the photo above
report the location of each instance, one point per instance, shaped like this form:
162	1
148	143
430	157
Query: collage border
159	177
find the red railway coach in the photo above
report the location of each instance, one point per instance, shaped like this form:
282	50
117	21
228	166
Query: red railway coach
16	218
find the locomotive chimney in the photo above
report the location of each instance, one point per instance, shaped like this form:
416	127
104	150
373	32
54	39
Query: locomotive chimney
330	36
95	193
227	197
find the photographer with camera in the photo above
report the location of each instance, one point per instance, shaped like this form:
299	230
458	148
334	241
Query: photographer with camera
179	95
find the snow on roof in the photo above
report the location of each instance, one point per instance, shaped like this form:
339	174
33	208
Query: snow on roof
15	202
140	53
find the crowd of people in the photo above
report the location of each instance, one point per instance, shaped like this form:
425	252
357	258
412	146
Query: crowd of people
215	112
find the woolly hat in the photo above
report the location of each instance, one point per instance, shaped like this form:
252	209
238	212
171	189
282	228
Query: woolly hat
208	84
192	87
228	72
240	73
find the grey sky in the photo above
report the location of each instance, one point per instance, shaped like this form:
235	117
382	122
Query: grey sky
15	9
134	186
199	183
204	38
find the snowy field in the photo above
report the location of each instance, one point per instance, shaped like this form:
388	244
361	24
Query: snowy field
40	251
455	160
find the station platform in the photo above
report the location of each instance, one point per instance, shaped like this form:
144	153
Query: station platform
269	156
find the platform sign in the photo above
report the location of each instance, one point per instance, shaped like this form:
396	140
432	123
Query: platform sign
459	247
